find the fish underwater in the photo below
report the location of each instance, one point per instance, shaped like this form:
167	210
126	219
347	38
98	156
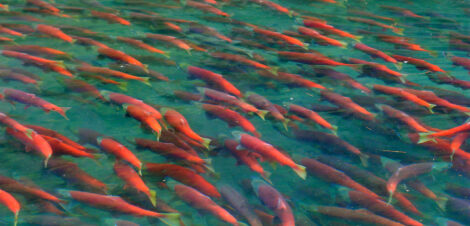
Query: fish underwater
204	112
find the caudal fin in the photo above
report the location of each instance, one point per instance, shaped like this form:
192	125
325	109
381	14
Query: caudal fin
334	130
398	30
145	80
441	202
153	197
265	175
63	111
357	38
399	65
364	159
171	219
285	122
261	113
390	197
430	107
158	134
425	137
16	218
29	133
46	160
206	142
300	171
273	70
122	86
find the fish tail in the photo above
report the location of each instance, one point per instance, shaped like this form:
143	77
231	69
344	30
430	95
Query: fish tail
167	55
237	135
343	44
39	84
273	70
452	155
399	65
441	202
60	63
208	161
171	219
145	80
424	137
145	67
206	142
158	134
357	38
364	159
285	123
16	218
290	13
390	198
402	79
356	67
209	167
430	107
46	160
432	53
305	46
398	30
122	86
341	4
96	156
300	171
29	133
265	175
64	109
334	130
152	194
261	113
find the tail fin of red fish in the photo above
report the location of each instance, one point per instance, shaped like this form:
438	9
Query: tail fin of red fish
262	113
430	107
152	197
398	30
46	160
237	136
122	86
364	159
285	122
29	133
300	171
266	176
146	81
63	111
399	65
273	70
16	218
390	198
432	53
441	202
171	219
357	38
206	142
424	137
334	130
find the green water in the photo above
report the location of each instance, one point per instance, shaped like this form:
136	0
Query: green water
86	112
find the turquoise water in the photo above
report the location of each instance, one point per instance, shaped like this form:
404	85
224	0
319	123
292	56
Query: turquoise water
381	138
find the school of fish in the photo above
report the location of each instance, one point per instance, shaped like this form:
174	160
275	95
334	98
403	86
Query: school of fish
234	112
